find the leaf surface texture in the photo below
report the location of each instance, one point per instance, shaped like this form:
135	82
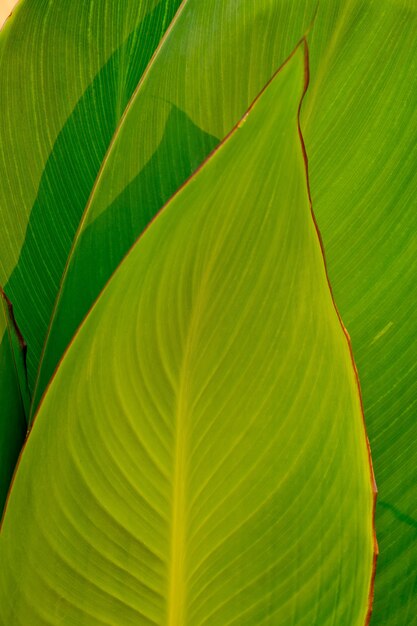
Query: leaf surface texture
201	464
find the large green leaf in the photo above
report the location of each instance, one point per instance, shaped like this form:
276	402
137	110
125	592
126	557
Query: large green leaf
13	396
202	443
359	121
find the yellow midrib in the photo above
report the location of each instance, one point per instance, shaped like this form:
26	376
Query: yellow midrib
176	613
177	595
177	591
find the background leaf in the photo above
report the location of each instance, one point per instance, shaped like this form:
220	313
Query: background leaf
61	107
12	398
201	463
360	121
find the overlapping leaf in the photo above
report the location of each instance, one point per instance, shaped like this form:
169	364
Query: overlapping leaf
101	165
358	120
201	464
62	104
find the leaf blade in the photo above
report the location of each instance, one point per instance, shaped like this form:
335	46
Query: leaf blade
208	417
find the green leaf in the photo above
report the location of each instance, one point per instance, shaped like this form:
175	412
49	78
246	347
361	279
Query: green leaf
12	396
99	162
202	443
60	108
360	121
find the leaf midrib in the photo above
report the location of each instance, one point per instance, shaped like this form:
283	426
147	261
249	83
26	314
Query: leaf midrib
177	578
97	180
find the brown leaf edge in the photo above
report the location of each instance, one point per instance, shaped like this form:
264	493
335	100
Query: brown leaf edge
11	319
304	44
347	337
13	329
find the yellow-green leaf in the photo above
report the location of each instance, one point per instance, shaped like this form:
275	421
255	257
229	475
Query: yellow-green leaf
203	451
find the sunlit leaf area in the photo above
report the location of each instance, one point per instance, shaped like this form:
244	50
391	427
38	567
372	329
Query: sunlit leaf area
208	338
